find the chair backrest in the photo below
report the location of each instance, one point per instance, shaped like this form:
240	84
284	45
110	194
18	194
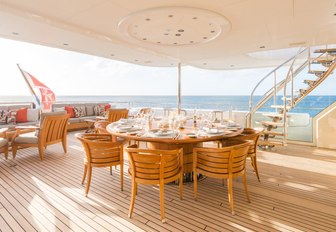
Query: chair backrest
114	115
249	134
100	151
100	126
144	111
149	166
222	162
53	128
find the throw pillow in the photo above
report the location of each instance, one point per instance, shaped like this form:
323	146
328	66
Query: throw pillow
70	110
3	116
79	111
21	115
33	115
107	106
99	110
11	117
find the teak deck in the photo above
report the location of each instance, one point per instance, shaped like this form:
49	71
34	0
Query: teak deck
297	192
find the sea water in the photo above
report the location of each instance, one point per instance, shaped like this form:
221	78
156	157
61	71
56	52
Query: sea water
311	105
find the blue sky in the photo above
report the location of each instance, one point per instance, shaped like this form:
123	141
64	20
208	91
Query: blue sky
72	73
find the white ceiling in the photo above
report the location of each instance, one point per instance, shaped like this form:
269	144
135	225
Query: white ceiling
115	29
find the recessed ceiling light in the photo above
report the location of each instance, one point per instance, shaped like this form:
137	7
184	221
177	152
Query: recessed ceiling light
194	18
204	63
177	34
231	65
65	44
180	30
205	37
148	19
335	14
166	33
112	55
136	60
262	46
212	31
144	39
148	61
170	16
15	33
158	42
175	43
191	42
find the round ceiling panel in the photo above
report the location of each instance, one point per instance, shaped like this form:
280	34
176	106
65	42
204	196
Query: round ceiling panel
174	26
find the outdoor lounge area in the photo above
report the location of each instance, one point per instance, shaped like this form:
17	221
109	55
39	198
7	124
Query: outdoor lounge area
296	193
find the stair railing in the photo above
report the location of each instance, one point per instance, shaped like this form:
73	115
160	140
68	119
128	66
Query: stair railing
276	87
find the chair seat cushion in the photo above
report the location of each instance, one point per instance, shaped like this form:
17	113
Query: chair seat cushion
27	138
3	142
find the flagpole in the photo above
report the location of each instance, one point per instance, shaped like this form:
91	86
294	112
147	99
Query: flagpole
30	88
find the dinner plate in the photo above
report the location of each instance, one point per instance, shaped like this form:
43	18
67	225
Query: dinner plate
164	133
191	135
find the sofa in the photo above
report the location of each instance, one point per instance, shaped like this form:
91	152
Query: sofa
18	114
80	112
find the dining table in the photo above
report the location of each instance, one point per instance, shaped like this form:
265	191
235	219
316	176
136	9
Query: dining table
187	136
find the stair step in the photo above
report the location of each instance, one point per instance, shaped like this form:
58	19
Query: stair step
324	62
270	143
280	107
273	133
317	73
310	82
328	50
273	115
272	124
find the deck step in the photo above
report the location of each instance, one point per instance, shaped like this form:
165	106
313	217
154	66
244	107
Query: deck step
272	124
273	115
326	50
317	73
310	82
324	62
280	107
278	133
270	143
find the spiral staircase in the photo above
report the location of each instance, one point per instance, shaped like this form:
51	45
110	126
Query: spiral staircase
315	66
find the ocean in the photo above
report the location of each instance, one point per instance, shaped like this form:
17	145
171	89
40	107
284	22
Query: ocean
311	104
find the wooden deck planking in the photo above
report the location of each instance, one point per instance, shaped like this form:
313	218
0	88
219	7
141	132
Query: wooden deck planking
47	196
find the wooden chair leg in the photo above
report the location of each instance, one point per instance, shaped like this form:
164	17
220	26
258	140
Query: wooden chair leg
245	188
134	190
162	202
84	174
230	194
110	170
64	144
41	152
181	185
14	150
6	151
255	166
195	184
122	176
88	181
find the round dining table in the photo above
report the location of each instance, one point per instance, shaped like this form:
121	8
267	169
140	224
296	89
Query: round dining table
183	138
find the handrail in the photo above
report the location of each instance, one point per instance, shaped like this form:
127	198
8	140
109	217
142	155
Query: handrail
265	77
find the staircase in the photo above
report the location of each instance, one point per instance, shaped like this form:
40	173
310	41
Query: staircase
275	129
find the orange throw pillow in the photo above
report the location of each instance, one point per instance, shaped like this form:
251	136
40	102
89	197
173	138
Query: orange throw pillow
70	111
21	115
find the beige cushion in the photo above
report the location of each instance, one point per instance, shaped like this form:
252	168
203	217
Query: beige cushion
33	115
3	142
27	138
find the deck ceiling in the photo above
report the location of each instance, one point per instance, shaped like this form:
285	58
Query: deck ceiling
211	34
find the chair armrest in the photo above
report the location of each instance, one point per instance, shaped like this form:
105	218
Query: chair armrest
24	129
3	132
101	118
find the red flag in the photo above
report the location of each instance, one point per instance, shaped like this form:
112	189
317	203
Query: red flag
47	96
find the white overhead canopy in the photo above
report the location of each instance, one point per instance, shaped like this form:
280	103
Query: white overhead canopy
211	34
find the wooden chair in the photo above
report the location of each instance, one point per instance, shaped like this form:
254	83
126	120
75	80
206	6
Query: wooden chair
114	115
53	130
4	142
100	127
252	135
143	111
222	163
154	167
101	151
